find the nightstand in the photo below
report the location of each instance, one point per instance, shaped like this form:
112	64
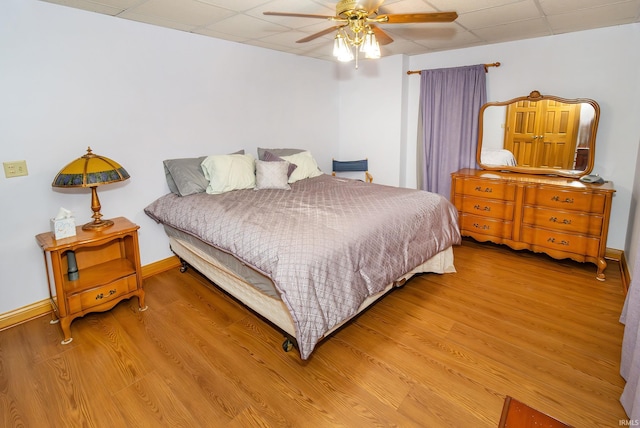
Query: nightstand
108	263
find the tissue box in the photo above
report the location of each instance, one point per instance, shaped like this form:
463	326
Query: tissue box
63	227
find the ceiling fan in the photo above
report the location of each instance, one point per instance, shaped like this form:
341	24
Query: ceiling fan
357	26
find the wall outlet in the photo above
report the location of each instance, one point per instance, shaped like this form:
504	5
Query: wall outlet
15	168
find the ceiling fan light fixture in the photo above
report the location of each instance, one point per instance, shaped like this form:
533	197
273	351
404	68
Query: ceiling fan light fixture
370	46
356	22
341	49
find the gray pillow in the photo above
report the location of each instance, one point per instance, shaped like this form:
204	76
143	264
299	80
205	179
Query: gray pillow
270	157
185	176
278	152
272	175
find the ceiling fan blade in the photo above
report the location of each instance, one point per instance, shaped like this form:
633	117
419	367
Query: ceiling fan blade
319	34
383	38
408	18
298	15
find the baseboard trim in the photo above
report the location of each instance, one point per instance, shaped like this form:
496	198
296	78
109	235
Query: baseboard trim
160	266
618	256
24	314
38	309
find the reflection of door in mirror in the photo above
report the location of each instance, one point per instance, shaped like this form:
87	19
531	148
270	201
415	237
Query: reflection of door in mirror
539	134
542	134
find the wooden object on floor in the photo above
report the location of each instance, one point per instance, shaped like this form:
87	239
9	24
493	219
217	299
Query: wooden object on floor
561	217
518	415
442	351
107	270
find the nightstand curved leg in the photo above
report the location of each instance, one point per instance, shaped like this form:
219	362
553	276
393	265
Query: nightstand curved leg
65	324
141	306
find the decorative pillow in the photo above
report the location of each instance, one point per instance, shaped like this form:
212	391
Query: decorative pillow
306	166
278	152
229	172
270	157
185	176
272	175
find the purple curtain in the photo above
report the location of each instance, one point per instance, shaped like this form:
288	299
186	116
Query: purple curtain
450	101
630	360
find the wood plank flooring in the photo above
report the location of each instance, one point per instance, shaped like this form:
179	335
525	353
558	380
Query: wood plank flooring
443	351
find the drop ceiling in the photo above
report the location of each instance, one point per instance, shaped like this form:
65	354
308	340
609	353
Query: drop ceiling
479	22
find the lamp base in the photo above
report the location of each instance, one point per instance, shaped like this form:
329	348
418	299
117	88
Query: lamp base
97	225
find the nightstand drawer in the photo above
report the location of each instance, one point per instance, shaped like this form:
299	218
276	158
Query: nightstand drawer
99	295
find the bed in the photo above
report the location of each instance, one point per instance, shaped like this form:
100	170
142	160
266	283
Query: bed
307	254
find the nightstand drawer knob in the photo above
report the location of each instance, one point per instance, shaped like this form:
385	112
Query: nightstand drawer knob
101	295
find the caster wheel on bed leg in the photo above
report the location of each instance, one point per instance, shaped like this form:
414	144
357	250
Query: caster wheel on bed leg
287	345
183	267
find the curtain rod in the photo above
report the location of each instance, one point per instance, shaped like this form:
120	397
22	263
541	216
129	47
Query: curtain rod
486	68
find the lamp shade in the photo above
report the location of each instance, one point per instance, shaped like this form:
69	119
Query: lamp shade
90	170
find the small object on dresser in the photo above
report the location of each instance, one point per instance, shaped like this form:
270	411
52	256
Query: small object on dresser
592	178
63	225
72	266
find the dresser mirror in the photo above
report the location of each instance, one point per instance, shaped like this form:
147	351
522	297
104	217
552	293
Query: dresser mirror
539	134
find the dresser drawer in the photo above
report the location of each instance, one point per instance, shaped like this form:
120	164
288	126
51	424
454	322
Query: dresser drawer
493	208
565	242
563	221
586	202
492	189
486	226
99	295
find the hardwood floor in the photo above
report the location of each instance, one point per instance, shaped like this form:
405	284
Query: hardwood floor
443	351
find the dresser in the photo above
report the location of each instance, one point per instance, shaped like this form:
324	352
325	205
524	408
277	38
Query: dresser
562	217
92	271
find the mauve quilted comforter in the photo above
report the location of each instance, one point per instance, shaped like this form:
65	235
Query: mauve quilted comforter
327	244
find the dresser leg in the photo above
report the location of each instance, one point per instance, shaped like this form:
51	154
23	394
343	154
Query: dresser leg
602	265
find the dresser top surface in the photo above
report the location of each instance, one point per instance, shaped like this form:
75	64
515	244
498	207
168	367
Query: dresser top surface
607	186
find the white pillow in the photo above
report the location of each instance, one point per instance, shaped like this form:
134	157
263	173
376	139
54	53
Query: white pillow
229	172
306	166
272	175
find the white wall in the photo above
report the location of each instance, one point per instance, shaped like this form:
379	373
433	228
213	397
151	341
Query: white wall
137	94
371	121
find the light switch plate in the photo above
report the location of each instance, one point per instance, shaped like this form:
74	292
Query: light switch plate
15	168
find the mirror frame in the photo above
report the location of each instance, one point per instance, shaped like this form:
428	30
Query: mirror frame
536	96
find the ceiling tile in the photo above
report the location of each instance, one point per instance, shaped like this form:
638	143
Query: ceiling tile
190	12
514	31
499	15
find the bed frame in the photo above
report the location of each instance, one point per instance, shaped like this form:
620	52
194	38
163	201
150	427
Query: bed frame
271	308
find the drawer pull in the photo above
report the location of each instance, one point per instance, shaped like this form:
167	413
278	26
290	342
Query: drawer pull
563	201
485	190
553	241
101	295
477	207
483	227
555	220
